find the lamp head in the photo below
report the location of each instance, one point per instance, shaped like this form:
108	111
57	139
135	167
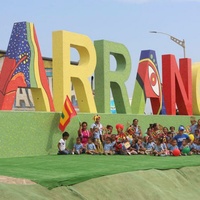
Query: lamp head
153	32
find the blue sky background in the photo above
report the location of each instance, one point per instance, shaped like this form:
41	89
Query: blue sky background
123	21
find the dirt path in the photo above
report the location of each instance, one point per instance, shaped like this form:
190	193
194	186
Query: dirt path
18	181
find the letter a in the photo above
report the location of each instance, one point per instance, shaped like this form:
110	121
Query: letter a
23	67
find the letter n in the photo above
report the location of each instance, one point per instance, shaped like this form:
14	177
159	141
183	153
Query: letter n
177	84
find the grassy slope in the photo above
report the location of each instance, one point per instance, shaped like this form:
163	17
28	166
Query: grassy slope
52	171
176	184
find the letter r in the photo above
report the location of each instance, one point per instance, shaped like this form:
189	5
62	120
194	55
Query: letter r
64	73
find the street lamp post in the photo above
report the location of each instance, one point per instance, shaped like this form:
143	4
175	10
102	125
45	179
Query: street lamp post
179	42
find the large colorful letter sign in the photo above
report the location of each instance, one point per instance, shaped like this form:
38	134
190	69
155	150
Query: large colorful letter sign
147	84
105	79
23	67
195	88
177	83
64	73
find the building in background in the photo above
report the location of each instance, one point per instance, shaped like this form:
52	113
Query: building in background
24	100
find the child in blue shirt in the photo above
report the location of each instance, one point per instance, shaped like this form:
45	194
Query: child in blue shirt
78	147
183	146
97	136
149	145
158	149
172	146
193	146
90	147
108	147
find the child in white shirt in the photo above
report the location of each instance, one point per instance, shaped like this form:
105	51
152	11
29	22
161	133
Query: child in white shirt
62	150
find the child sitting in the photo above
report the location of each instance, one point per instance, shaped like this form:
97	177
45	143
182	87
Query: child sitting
78	147
120	139
113	141
169	136
184	148
113	138
141	148
149	145
172	146
121	136
196	134
108	132
198	146
62	150
158	149
193	146
165	145
133	149
118	147
172	130
108	147
90	147
130	134
145	140
149	132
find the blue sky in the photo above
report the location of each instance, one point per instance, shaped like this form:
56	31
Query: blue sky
123	21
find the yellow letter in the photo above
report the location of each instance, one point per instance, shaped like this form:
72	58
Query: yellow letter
64	73
195	88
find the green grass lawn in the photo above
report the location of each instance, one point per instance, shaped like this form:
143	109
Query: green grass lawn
53	170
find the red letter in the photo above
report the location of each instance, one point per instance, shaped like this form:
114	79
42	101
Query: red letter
177	85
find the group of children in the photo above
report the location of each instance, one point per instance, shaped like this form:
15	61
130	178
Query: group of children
157	141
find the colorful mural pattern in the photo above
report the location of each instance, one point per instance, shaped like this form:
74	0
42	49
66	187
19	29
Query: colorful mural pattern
23	67
148	84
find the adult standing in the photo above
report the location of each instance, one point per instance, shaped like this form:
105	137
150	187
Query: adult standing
157	130
97	126
198	124
181	136
193	125
97	123
137	128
